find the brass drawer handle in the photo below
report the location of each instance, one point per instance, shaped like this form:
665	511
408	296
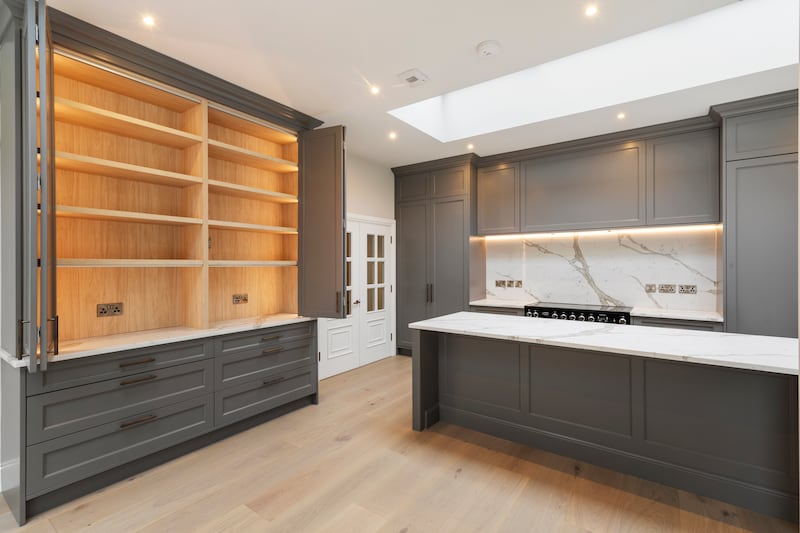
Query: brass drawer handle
270	338
274	381
268	351
140	362
137	380
142	420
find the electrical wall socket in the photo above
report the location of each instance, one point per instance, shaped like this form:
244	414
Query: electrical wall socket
500	283
687	289
112	309
517	283
240	299
666	288
649	287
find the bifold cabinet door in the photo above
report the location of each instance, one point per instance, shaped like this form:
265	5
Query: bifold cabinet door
321	223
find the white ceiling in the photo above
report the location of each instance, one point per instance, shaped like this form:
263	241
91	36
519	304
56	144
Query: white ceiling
318	57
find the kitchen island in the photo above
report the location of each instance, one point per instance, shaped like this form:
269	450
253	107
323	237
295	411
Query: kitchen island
711	413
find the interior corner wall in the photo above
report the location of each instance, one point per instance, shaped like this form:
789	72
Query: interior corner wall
369	187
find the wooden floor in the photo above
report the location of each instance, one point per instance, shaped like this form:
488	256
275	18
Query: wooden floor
353	464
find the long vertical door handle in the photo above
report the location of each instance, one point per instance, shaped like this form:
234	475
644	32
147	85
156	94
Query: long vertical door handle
431	292
427	292
338	302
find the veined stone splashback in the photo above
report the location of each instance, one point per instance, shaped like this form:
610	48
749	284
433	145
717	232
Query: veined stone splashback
609	268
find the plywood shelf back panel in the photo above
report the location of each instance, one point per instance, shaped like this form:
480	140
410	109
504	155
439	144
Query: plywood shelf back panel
249	126
93	117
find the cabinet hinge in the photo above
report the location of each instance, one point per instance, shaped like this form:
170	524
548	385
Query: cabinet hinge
22	326
39	184
36	32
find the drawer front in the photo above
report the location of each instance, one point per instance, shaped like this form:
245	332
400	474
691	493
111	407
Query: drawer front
248	399
263	338
700	325
244	365
65	374
59	462
63	412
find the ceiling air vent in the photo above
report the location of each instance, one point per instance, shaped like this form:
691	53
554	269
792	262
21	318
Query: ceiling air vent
413	78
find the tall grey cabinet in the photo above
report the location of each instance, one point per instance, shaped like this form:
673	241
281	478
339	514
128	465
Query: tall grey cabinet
760	214
435	216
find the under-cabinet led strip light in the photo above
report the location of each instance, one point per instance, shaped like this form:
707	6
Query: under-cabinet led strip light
619	231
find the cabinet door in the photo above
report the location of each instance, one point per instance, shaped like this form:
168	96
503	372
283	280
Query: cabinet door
450	182
412	274
498	199
321	223
683	178
599	188
412	187
761	134
449	256
761	246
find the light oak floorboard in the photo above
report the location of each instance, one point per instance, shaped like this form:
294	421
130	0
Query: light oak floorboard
353	464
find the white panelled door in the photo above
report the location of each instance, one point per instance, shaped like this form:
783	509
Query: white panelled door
367	333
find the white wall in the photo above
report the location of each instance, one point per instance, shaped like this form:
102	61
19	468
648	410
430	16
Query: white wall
369	187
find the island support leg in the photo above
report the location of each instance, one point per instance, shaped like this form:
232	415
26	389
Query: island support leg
425	379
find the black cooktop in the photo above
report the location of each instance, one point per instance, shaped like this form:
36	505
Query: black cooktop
589	313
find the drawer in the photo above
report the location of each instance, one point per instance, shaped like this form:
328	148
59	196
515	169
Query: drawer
248	399
700	325
242	365
59	413
67	374
59	462
262	338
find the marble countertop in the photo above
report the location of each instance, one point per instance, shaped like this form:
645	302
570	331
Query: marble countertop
750	352
142	339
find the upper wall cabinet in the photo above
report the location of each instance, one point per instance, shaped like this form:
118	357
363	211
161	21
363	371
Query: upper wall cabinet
435	184
683	178
590	189
761	134
498	199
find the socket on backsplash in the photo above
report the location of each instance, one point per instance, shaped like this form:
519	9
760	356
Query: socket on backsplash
649	287
687	289
517	283
500	283
666	288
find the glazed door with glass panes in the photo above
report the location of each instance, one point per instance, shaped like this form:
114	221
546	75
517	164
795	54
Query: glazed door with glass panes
366	334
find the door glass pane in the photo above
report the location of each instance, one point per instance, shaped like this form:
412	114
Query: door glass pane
380	299
370	272
370	245
348	305
380	272
370	299
347	239
347	273
380	246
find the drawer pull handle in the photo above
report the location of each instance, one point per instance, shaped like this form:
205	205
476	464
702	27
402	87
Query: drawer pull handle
140	362
136	422
137	380
270	338
272	350
274	381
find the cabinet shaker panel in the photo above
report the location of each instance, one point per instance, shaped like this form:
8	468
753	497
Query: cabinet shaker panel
412	187
449	182
450	254
761	134
683	178
498	199
413	220
600	188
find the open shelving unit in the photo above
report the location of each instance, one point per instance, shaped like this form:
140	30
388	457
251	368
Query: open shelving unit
168	203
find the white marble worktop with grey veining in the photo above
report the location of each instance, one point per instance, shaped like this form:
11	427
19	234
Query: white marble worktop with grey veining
734	350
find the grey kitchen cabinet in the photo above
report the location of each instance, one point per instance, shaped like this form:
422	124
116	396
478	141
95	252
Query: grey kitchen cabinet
760	190
683	178
590	189
433	255
700	325
498	199
761	246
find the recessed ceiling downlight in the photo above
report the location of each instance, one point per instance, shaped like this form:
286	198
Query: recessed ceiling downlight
148	21
591	10
392	135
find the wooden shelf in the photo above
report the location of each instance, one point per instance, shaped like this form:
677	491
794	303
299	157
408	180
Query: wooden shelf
233	122
254	193
234	264
242	156
94	117
242	226
131	263
91	213
115	169
121	83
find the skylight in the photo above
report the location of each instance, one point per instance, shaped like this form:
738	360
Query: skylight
736	40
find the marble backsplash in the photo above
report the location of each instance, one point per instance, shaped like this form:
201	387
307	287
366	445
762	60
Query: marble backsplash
609	268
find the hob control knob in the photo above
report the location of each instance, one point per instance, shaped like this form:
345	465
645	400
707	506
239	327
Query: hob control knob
572	316
581	318
554	314
536	314
563	316
622	321
528	314
591	318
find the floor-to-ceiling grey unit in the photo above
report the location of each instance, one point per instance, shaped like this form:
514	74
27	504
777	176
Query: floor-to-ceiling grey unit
435	217
760	214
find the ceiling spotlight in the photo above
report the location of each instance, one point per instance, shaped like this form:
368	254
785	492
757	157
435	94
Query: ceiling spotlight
591	10
620	116
148	21
374	89
392	135
470	146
